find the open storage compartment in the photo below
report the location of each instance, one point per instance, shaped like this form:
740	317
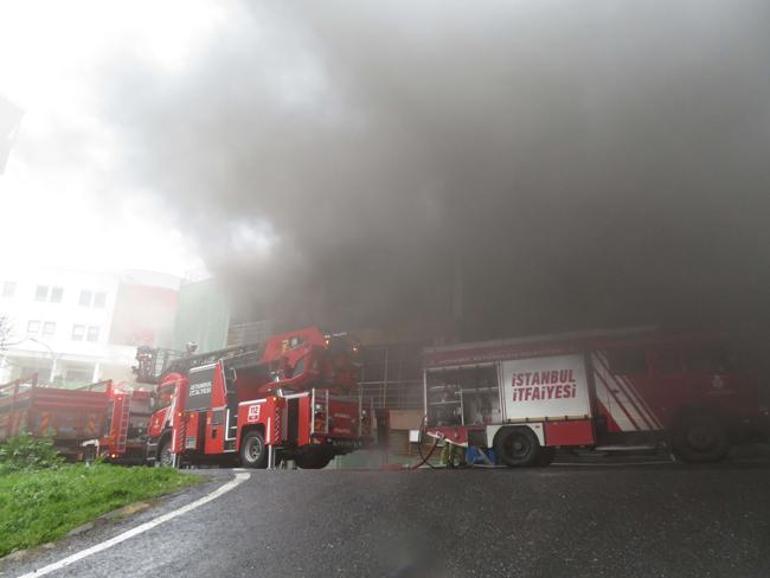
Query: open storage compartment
468	395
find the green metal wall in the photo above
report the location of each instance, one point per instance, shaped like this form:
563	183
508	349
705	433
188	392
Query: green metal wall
203	315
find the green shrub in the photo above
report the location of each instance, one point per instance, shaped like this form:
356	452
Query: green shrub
24	452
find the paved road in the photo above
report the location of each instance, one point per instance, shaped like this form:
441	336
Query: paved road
653	520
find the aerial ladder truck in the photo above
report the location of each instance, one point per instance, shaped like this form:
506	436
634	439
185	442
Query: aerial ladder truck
293	397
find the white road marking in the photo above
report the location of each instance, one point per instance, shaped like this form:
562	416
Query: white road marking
128	534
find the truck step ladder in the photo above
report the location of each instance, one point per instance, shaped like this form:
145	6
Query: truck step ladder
123	431
232	425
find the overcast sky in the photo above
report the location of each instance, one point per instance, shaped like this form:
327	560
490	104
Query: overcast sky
62	198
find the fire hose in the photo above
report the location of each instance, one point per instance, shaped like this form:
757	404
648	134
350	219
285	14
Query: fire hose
424	458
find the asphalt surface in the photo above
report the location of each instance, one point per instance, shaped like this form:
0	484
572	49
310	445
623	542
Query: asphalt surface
594	520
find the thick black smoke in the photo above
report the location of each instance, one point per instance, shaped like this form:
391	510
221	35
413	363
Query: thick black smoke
558	164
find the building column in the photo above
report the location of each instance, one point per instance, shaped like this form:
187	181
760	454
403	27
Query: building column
97	372
6	369
54	368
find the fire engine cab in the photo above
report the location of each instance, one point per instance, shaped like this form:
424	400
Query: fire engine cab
695	393
294	397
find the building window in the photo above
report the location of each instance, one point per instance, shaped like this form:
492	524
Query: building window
85	298
90	298
33	327
78	332
93	334
78	376
49	328
9	288
100	299
45	293
41	293
56	294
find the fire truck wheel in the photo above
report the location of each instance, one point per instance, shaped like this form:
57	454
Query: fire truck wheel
700	438
165	457
517	446
545	456
253	450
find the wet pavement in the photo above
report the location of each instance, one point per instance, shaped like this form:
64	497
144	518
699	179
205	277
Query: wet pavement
594	519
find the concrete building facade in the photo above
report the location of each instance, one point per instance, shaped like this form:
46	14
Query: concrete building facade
77	327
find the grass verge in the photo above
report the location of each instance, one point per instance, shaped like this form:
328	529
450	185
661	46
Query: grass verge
38	506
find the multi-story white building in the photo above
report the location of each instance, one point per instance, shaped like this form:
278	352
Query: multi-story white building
76	327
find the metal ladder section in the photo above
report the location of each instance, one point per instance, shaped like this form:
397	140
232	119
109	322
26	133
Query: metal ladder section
125	408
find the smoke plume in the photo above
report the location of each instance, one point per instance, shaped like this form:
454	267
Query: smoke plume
512	167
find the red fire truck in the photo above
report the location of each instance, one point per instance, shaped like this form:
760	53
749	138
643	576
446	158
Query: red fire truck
294	397
100	419
695	393
123	434
67	416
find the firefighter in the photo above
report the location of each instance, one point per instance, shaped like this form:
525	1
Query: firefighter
452	455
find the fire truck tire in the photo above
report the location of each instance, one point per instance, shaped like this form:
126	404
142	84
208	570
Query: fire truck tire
253	450
517	447
700	438
545	456
165	457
